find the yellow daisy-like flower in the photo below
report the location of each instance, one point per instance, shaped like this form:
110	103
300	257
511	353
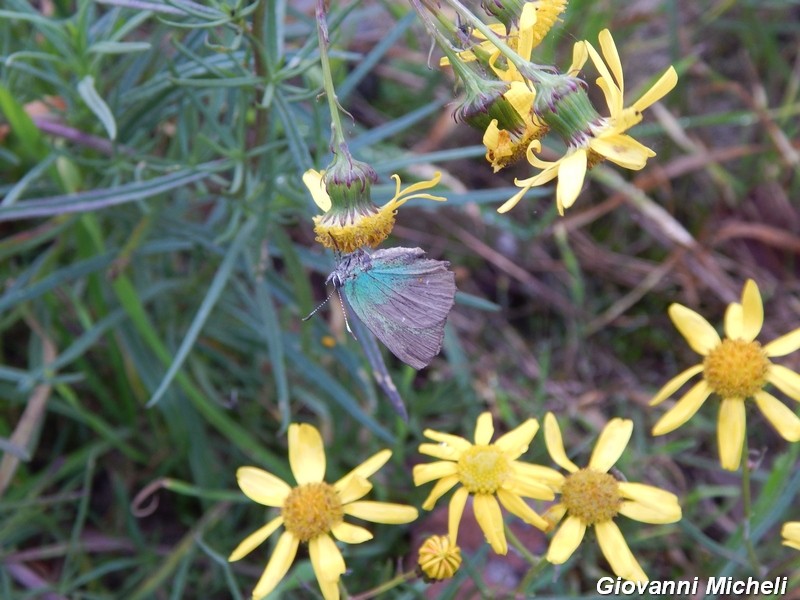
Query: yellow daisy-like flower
601	139
791	534
347	228
591	497
439	558
488	472
313	510
734	368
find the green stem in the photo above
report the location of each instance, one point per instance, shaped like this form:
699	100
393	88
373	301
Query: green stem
535	73
470	79
747	507
337	131
515	541
385	587
260	63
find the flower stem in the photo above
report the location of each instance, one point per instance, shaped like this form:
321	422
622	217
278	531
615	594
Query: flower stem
747	507
471	81
535	72
337	131
515	541
385	587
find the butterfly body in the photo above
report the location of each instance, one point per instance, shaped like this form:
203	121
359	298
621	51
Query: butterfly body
401	296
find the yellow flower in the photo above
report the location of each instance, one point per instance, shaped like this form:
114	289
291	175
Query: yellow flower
592	497
347	228
439	558
313	510
791	534
601	139
488	472
734	368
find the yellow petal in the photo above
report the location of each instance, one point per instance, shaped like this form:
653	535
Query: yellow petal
659	89
262	487
490	519
617	553
326	558
279	563
442	486
566	540
352	488
349	533
315	185
401	197
514	200
782	418
527	21
580	55
611	444
553	515
329	589
700	335
730	432
555	445
484	429
752	311
516	442
622	150
683	410
436	470
734	321
571	173
786	344
456	510
517	506
785	380
611	57
613	95
381	512
538	474
674	384
440	451
649	504
521	97
791	534
255	539
529	489
306	453
457	442
369	467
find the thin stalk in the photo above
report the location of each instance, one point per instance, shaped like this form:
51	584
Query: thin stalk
337	131
385	587
747	507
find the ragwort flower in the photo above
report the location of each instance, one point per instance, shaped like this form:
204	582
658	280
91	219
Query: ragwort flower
313	510
488	472
590	139
791	534
350	218
591	497
734	368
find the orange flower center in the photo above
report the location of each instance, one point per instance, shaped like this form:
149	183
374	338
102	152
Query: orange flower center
483	469
736	368
311	510
591	496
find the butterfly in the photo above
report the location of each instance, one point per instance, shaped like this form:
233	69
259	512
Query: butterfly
402	297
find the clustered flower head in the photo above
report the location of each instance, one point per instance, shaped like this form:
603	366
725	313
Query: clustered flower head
544	101
591	497
313	512
734	369
350	219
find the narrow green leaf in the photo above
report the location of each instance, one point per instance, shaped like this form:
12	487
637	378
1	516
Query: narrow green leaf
97	105
106	47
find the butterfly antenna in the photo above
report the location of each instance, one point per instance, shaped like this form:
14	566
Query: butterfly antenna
316	310
344	312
